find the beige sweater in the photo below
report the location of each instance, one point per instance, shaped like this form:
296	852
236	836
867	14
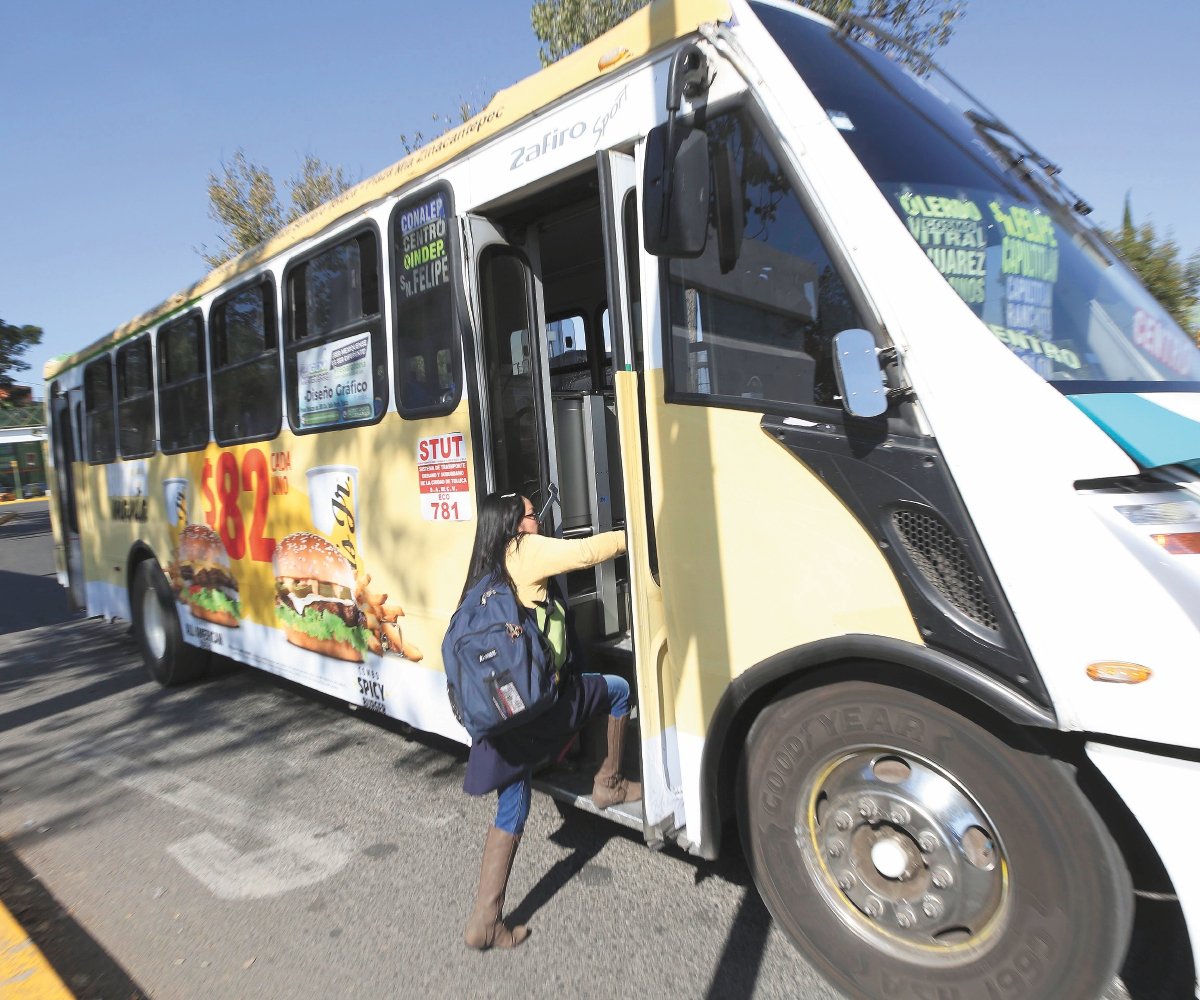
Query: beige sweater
539	557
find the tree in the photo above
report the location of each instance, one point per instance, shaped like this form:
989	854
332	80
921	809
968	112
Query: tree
923	25
466	111
316	184
1173	281
564	25
15	341
245	203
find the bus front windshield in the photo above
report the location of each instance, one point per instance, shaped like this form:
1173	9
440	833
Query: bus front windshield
1043	283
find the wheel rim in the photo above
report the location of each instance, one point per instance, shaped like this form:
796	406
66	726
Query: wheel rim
905	855
154	625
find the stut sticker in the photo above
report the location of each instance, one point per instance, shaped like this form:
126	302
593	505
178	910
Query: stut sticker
445	489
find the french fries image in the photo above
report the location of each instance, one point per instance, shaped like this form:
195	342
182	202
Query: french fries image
383	632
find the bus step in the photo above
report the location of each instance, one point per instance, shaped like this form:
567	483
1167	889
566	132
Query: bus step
575	788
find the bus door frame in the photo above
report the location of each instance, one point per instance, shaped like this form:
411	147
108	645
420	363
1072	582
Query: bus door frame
63	432
663	804
481	235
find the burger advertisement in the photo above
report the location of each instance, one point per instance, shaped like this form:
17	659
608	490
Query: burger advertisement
291	593
315	601
205	582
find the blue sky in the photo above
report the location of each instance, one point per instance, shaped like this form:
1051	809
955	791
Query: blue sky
112	116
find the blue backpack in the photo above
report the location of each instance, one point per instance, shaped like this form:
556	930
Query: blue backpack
499	667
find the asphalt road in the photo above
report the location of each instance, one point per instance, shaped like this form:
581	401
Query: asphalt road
243	838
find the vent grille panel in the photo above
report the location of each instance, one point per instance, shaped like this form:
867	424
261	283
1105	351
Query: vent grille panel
945	565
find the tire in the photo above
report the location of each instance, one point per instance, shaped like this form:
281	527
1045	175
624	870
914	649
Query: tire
911	854
168	658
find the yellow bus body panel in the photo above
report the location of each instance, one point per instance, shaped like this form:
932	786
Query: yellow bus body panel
756	554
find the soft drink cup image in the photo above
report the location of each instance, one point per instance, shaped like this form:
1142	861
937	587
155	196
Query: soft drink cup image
333	499
175	497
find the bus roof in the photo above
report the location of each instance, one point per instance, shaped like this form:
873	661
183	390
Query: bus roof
648	29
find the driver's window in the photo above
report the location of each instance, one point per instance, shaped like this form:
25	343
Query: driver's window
511	372
753	318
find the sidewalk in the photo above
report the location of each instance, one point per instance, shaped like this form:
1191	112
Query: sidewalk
24	972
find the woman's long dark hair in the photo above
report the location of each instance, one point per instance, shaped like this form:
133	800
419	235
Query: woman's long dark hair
499	523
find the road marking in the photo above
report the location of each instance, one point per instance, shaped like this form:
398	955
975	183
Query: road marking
24	972
294	853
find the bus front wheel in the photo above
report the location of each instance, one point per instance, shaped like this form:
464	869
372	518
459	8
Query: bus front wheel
168	658
909	852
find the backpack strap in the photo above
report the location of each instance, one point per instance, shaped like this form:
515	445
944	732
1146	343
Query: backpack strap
551	621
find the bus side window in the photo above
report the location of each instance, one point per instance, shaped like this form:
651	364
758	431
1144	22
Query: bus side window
135	399
98	403
336	356
755	324
182	386
245	363
426	322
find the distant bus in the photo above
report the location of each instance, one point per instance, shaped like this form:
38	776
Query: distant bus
907	461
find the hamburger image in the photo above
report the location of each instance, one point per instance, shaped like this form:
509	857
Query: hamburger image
314	597
205	583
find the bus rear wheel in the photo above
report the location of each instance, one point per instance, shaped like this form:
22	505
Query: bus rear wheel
168	658
909	852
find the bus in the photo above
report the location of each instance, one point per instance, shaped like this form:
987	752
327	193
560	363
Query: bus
906	457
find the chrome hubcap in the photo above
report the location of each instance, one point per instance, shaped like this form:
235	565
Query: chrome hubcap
905	853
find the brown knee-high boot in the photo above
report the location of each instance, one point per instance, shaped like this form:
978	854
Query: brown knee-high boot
610	787
484	927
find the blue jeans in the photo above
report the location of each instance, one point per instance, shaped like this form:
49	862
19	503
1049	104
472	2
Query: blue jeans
512	806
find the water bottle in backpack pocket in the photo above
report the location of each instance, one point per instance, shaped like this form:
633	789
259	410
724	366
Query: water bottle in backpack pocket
499	668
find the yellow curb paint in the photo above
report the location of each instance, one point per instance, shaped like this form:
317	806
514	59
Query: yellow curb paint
24	972
20	503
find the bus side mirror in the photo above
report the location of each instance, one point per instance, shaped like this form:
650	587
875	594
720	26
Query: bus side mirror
675	192
859	378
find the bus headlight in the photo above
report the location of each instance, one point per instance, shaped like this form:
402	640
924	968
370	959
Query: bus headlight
1166	513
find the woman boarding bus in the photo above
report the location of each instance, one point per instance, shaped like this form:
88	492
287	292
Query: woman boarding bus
905	456
509	547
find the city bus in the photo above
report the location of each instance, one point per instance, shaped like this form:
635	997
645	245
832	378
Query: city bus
906	457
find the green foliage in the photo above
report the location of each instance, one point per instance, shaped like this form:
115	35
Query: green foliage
243	200
925	25
316	184
466	111
15	341
564	25
1175	282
